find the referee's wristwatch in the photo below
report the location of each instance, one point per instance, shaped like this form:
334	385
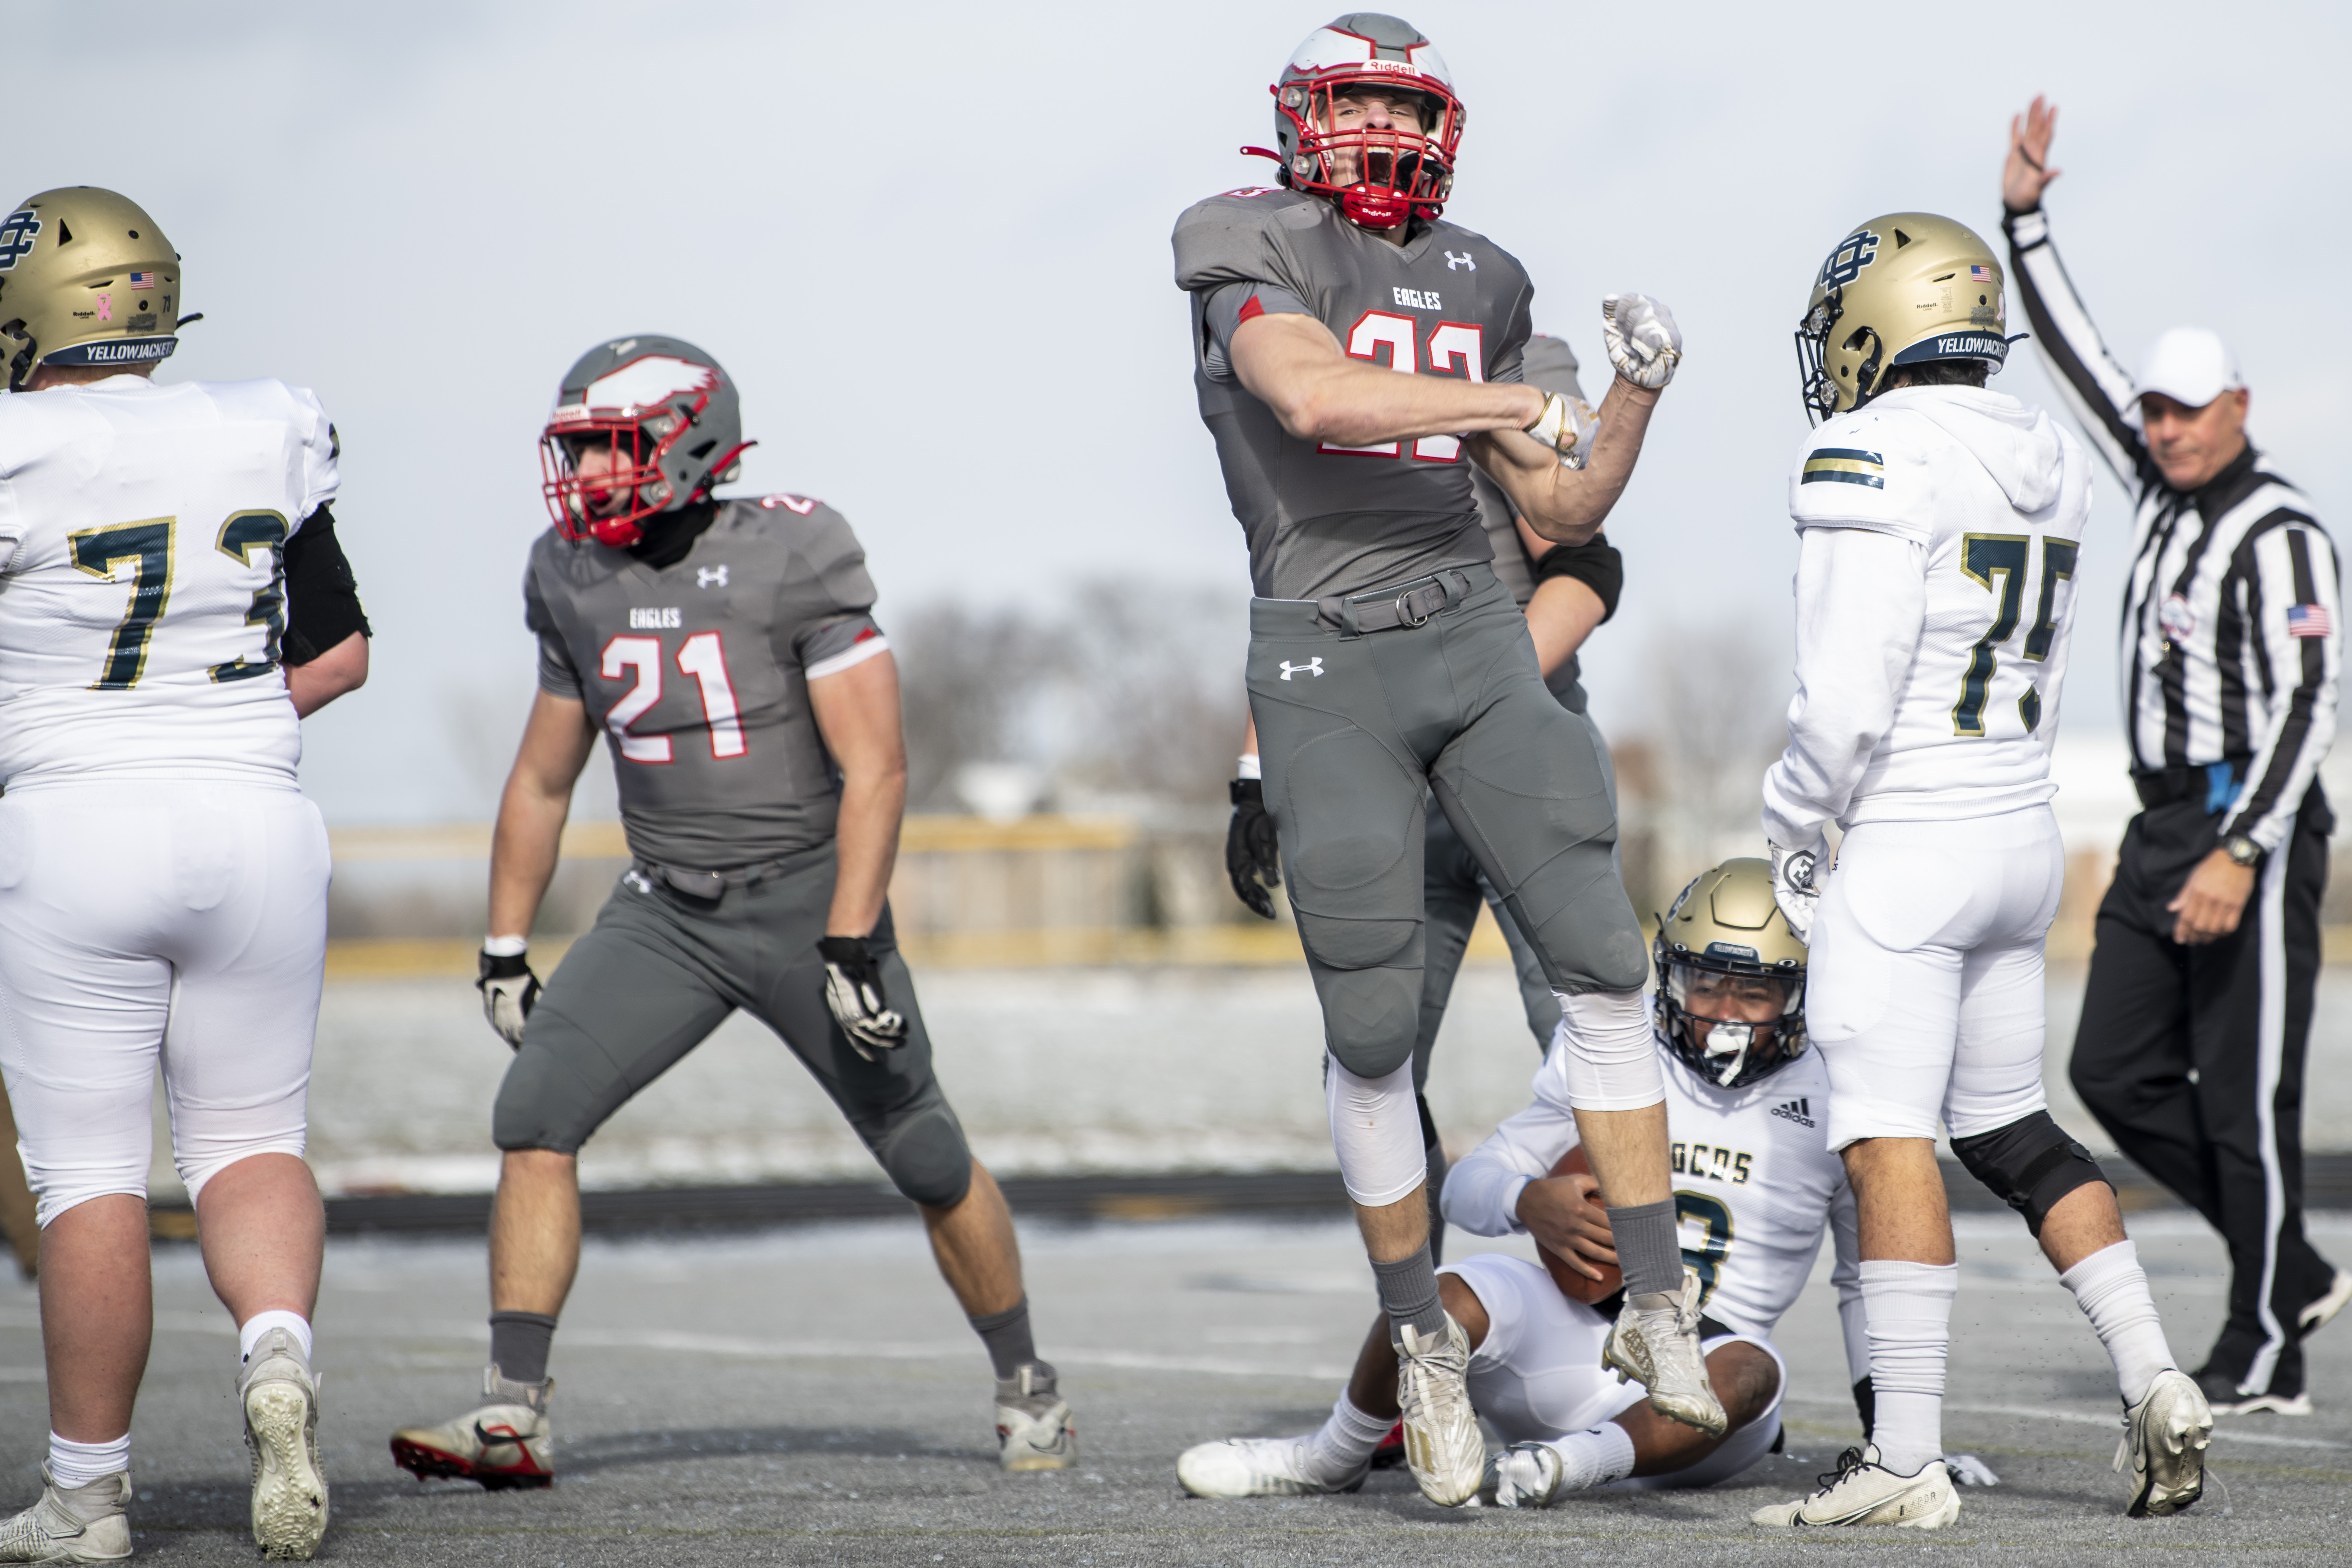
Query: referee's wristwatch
2242	850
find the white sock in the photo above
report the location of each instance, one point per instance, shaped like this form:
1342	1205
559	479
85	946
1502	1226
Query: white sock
249	1332
2111	1289
1594	1458
1346	1441
1908	1309
73	1464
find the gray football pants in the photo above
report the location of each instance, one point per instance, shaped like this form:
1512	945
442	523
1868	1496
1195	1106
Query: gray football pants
1355	730
1452	892
661	970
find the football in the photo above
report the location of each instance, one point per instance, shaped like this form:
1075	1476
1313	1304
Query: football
1572	1285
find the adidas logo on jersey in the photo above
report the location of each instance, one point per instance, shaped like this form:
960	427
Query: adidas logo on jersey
1800	1111
654	620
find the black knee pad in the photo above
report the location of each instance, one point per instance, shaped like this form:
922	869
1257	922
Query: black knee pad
2028	1164
922	1151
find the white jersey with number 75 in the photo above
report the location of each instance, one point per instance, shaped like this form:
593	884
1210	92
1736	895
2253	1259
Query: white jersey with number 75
1941	533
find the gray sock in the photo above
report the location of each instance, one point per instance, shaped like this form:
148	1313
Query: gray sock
1409	1292
1006	1334
1647	1247
518	1345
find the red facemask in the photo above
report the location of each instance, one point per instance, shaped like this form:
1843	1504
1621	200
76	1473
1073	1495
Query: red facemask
1398	173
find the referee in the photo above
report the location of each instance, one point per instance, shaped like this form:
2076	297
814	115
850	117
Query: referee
2198	1010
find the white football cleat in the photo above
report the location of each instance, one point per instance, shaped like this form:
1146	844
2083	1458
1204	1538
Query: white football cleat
2163	1447
1034	1427
1442	1445
1526	1475
508	1442
1258	1467
1863	1492
72	1524
280	1400
1656	1345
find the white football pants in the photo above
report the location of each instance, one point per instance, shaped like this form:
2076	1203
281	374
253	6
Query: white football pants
1924	988
147	920
1538	1375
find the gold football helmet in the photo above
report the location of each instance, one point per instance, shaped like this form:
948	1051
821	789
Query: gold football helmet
1732	977
85	279
1899	289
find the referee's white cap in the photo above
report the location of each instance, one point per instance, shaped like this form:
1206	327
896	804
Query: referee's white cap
2190	365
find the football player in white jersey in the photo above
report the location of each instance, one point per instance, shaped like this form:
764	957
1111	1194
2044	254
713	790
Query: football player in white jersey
163	880
1940	525
1756	1188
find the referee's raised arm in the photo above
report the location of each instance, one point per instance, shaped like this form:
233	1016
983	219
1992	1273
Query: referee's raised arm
2197	1010
2096	389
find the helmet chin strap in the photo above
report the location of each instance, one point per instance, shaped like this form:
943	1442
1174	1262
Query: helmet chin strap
1730	1040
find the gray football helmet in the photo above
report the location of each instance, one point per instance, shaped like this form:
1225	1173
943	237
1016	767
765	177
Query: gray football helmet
1380	178
641	425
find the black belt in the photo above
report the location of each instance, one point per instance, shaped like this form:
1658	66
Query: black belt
707	886
1392	609
2213	785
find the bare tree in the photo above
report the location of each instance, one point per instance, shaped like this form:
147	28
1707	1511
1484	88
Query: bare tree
1721	717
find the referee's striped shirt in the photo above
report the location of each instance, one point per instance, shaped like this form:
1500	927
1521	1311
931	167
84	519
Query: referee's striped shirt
2232	640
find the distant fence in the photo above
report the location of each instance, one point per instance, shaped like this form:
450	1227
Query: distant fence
967	890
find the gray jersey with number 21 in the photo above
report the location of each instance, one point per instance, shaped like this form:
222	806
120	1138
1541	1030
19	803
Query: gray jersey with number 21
697	674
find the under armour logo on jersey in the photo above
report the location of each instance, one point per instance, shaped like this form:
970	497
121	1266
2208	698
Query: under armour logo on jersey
711	576
1453	261
1800	1111
1853	253
1312	667
17	238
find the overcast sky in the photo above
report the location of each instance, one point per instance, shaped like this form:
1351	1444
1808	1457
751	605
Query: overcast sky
931	243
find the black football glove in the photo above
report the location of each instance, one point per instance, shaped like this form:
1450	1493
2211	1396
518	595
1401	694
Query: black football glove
1252	858
510	991
852	989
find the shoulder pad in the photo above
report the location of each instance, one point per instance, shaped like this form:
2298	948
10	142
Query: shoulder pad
1223	239
1861	470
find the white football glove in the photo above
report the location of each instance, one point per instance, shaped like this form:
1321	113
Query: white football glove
852	989
1643	343
1797	886
509	990
1567	425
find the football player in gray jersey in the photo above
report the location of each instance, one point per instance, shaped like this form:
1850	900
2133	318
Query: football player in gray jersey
1565	590
726	651
1387	660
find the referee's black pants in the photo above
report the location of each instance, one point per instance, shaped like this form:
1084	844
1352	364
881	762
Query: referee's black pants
2192	1057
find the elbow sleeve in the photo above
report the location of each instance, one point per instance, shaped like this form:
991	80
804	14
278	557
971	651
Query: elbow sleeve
322	597
1595	563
